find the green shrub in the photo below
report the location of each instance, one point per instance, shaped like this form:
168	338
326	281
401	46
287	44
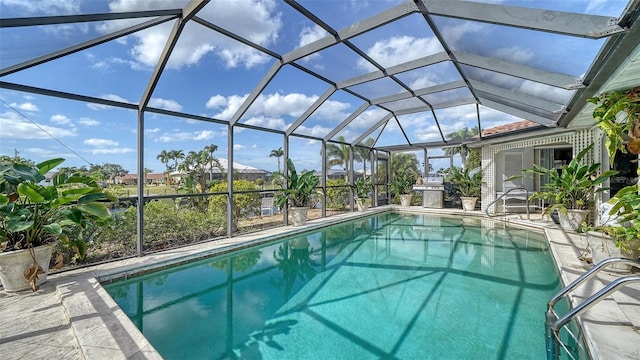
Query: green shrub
244	205
337	198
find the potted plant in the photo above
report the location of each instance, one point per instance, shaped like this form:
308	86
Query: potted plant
299	193
571	189
34	216
467	186
361	190
617	114
620	233
402	185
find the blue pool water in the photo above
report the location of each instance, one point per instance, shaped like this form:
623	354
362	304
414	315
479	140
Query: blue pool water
391	286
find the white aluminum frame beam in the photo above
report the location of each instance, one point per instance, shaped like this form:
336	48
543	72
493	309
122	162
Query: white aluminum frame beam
557	22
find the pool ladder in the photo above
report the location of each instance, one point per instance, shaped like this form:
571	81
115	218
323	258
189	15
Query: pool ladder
486	211
554	323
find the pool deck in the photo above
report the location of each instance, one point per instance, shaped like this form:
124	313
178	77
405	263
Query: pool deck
72	316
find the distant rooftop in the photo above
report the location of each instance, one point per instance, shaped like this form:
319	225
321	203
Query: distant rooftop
509	127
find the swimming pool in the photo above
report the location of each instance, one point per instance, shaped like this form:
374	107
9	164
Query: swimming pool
390	286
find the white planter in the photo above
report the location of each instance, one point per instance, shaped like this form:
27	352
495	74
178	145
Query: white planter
362	205
14	263
468	203
405	200
572	219
299	215
602	247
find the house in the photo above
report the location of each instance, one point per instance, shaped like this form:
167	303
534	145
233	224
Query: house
132	179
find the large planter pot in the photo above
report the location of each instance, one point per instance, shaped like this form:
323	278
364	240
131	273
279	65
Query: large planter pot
299	215
468	203
363	205
14	263
572	219
405	199
603	247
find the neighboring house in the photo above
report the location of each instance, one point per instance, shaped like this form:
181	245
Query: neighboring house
132	179
244	172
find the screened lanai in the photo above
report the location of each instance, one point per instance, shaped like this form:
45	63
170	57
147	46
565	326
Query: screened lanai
121	81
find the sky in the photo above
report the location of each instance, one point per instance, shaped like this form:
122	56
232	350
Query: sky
211	75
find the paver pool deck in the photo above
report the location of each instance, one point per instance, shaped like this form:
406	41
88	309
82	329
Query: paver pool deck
73	317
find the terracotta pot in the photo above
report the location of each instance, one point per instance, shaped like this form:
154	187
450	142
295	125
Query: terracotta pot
14	263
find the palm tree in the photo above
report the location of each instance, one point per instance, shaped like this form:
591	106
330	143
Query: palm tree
361	153
146	171
462	134
211	149
164	158
339	155
277	153
176	155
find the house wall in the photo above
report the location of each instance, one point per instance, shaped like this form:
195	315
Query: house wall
493	158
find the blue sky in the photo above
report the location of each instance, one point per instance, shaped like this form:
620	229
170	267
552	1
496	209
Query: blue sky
211	75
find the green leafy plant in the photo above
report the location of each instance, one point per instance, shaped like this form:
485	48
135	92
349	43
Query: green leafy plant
33	214
402	182
244	204
626	210
574	186
465	183
362	188
337	194
300	188
617	113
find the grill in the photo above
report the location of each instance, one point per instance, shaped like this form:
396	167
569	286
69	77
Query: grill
432	192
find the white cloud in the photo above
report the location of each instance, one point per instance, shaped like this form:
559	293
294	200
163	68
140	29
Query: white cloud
267	122
316	130
400	49
26	106
152	131
88	122
256	20
100	142
186	136
112	151
238	147
216	101
107	97
165	104
311	34
15	128
277	105
48	7
515	54
60	119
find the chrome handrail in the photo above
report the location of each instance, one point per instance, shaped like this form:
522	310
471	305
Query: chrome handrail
553	323
486	211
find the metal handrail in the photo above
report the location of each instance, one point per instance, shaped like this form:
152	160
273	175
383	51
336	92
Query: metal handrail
553	323
486	211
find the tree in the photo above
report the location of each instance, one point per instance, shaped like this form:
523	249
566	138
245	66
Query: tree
404	163
111	171
277	153
164	158
472	156
338	155
211	149
361	153
146	171
176	156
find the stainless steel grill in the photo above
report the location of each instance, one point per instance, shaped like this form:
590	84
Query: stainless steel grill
432	192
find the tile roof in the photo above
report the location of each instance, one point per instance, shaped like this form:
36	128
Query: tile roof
509	127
